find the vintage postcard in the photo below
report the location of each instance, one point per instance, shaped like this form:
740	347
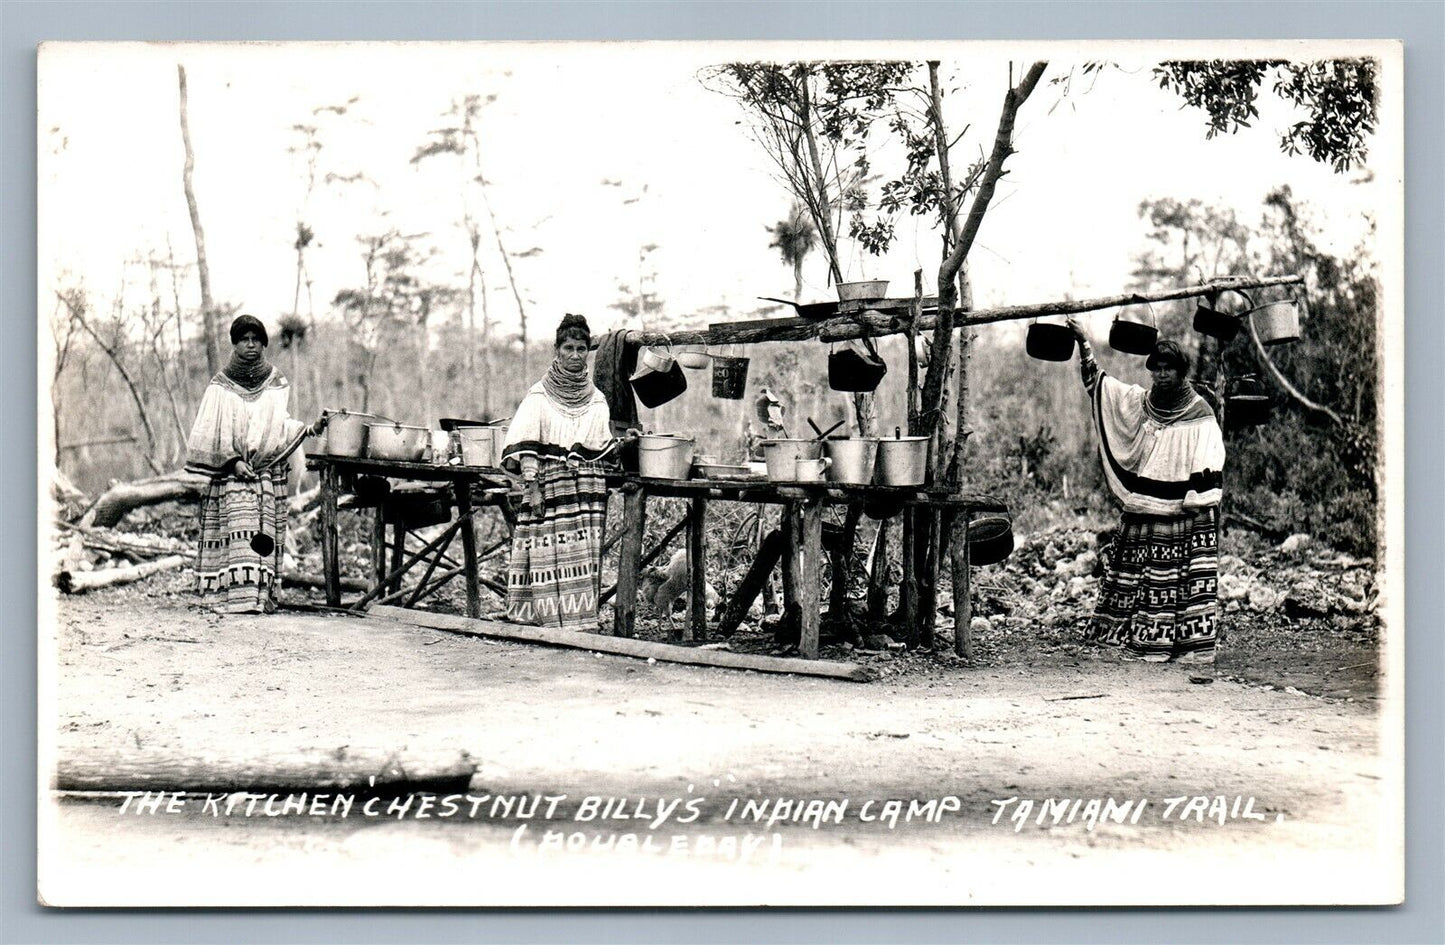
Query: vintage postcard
720	474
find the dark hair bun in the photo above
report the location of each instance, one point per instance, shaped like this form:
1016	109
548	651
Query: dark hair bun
573	326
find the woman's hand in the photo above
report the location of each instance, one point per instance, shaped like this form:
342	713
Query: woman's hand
320	423
1079	336
532	496
244	470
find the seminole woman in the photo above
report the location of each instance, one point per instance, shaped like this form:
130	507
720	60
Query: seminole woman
1163	458
240	441
558	437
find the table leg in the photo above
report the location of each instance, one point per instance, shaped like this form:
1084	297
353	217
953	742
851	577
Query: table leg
790	560
398	550
469	548
962	588
378	544
634	523
810	568
330	541
908	587
697	569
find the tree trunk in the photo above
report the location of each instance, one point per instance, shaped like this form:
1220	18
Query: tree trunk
123	497
208	326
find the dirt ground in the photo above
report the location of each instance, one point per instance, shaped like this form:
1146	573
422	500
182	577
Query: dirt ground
1285	720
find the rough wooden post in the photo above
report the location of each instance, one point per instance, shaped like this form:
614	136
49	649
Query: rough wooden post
790	562
962	588
809	570
908	587
634	522
378	544
398	550
469	547
330	542
752	583
697	568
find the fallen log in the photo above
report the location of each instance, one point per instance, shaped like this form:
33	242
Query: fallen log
625	646
340	770
77	582
124	497
142	546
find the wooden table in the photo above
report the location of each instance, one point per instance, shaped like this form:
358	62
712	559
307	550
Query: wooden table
493	484
803	505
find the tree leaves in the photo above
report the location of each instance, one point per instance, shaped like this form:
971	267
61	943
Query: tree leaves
1340	95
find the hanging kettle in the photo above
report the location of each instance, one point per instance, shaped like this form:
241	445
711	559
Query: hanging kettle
856	367
1211	319
658	378
1134	332
1050	339
1247	403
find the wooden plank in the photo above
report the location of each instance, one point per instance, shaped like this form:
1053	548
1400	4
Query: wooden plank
642	649
330	541
398	553
378	544
342	769
811	559
697	569
629	568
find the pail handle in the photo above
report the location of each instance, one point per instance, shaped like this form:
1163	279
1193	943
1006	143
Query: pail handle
1137	299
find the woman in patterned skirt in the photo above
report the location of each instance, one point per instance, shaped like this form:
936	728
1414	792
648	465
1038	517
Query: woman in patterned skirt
558	437
1163	458
240	440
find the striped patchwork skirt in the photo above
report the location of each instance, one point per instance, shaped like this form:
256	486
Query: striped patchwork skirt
230	576
555	575
1160	593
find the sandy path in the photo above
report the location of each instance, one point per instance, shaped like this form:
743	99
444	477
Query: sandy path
162	677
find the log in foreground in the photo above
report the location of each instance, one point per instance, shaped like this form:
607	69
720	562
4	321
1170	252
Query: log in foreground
344	769
76	582
624	646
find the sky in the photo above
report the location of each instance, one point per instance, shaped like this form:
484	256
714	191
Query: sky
594	152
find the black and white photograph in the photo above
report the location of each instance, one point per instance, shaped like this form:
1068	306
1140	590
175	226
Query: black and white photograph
721	474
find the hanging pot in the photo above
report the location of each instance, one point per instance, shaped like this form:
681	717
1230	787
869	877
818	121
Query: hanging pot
1134	332
1050	340
729	377
1277	323
1247	403
658	378
856	367
990	538
1211	320
692	357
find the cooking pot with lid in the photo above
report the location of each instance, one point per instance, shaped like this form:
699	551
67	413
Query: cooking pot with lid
346	432
902	460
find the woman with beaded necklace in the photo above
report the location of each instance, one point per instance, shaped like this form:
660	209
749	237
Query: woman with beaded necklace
557	439
1163	457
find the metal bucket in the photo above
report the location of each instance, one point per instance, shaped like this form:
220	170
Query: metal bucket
729	377
481	446
346	433
902	460
664	457
853	460
782	457
1277	323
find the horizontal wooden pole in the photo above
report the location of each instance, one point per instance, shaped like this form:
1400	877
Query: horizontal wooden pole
856	325
625	646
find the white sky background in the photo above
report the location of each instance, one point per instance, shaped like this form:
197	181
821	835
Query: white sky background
1063	222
